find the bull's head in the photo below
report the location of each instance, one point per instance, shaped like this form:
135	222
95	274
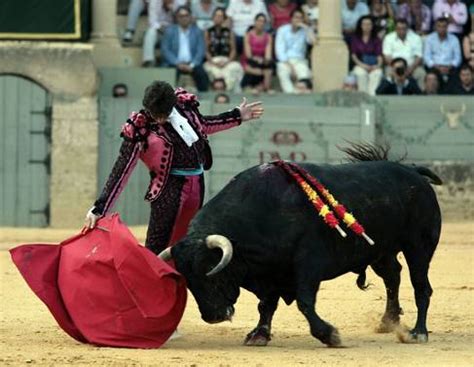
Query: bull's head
452	116
215	287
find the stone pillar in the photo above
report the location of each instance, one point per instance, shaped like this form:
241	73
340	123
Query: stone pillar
107	48
330	56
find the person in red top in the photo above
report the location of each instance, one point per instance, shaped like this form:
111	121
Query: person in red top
280	12
170	136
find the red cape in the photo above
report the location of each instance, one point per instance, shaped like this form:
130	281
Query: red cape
103	288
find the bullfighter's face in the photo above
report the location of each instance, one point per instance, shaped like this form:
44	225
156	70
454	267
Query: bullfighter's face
215	294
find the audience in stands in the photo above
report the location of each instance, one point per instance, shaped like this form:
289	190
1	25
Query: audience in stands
350	83
135	8
203	11
222	98
408	45
311	13
456	13
291	46
352	10
160	16
398	83
417	15
183	47
236	44
242	14
221	53
120	90
468	41
280	12
464	83
431	83
258	57
382	14
442	50
366	53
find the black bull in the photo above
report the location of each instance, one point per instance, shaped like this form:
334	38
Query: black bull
275	245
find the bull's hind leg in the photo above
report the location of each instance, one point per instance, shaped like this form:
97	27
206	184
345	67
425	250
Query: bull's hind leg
261	335
389	269
418	265
306	300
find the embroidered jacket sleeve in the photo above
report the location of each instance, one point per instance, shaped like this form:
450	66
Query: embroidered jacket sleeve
121	171
133	132
223	121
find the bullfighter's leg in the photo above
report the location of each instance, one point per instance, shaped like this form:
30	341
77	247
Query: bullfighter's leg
320	329
261	335
389	269
418	266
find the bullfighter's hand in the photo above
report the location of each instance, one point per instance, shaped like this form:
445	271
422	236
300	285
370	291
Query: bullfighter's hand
91	219
250	111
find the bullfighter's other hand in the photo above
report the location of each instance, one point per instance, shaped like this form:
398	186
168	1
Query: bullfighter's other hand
250	111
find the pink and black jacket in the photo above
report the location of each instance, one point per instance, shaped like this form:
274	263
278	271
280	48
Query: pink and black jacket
150	142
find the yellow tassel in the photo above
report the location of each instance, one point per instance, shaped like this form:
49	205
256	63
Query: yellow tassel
349	219
324	211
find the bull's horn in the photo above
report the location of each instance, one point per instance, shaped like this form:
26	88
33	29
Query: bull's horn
165	255
218	241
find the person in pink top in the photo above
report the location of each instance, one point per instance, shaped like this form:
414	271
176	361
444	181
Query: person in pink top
455	11
257	60
280	12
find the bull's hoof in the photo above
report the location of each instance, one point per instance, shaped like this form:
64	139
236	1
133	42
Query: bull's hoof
259	337
387	326
412	337
332	340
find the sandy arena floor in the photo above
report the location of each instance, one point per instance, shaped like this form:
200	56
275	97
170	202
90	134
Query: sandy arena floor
29	334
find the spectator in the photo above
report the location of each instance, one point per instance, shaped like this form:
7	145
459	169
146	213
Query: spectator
455	11
258	61
221	53
465	84
203	11
160	15
382	14
242	14
468	41
120	90
431	83
417	15
218	84
135	8
311	13
442	51
222	98
280	12
183	47
291	45
408	45
350	83
366	53
399	83
352	10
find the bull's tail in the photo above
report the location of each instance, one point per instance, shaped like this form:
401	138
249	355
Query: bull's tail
361	284
432	177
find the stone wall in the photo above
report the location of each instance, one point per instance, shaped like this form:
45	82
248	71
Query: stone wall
68	73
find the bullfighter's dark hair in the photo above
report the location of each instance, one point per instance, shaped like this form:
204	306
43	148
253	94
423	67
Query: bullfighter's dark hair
159	98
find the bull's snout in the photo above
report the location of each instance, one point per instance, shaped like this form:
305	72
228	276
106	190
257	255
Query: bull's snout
224	315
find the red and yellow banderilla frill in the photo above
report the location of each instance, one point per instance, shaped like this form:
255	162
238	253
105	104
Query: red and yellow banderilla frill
309	184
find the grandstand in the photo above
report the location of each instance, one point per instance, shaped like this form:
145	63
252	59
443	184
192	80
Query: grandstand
60	119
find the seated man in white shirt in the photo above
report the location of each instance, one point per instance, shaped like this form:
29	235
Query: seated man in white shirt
291	45
408	45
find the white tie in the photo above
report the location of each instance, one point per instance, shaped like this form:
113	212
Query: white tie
183	128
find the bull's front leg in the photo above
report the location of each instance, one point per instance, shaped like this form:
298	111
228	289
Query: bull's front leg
261	335
320	329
